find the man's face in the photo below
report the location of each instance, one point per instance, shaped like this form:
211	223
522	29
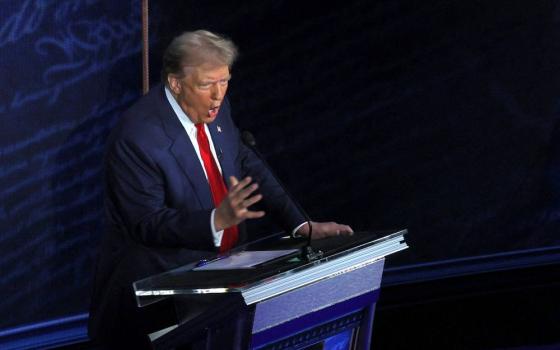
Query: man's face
201	92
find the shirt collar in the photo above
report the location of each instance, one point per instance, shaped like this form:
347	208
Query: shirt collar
183	117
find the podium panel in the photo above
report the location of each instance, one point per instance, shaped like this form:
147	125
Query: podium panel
331	306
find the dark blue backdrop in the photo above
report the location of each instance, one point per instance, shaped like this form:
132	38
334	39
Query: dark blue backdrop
439	116
68	68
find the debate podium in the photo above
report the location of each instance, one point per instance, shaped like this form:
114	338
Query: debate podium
265	296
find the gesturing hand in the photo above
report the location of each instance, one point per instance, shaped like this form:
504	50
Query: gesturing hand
234	208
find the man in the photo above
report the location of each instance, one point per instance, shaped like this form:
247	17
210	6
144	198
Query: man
167	202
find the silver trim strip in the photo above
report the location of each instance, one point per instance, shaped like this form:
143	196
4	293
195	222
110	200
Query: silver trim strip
326	268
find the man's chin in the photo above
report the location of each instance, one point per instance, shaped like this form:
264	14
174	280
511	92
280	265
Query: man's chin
208	119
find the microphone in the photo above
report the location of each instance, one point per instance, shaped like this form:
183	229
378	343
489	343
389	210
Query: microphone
307	251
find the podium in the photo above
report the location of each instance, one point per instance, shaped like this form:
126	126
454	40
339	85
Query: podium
265	296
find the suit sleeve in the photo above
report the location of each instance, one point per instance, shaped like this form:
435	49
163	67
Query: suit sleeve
137	202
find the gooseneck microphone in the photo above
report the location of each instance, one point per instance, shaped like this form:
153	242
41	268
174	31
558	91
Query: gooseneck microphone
307	251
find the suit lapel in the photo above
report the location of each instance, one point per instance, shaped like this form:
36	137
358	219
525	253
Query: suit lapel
185	154
183	151
222	148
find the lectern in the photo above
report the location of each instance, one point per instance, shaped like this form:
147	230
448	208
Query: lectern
264	295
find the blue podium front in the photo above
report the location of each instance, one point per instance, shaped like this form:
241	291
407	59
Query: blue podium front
332	312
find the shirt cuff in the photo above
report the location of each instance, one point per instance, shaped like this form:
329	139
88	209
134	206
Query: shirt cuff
218	234
294	231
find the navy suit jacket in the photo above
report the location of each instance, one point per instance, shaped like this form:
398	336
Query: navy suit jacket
158	202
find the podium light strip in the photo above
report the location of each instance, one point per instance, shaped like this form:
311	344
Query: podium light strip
168	292
323	270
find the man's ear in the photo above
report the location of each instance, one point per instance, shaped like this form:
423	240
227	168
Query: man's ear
174	84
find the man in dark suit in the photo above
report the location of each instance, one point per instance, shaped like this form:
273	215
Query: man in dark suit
167	202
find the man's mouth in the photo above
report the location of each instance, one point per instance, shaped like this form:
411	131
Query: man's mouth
213	112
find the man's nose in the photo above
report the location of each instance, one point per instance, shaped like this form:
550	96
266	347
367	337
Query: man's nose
218	91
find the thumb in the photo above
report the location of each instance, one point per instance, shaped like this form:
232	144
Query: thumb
233	181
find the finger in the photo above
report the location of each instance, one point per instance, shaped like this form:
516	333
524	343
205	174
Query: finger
237	198
238	185
254	214
252	200
233	181
247	191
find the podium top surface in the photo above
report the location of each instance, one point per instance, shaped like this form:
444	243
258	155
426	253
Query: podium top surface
275	276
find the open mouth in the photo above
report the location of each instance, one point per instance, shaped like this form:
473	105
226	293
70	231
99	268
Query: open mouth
213	112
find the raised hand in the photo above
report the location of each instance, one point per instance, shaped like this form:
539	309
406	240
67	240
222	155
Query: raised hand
234	208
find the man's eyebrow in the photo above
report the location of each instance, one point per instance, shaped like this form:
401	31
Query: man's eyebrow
216	80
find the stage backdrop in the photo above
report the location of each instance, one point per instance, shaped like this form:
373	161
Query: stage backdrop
68	69
436	116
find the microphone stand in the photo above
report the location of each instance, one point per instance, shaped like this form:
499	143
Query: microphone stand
308	253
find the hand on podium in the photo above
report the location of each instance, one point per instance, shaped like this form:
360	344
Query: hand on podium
325	229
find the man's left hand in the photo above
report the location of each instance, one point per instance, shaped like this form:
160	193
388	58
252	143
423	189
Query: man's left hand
325	229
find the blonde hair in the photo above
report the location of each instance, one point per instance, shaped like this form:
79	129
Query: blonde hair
192	49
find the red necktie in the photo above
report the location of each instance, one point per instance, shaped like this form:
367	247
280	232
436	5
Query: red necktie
217	185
